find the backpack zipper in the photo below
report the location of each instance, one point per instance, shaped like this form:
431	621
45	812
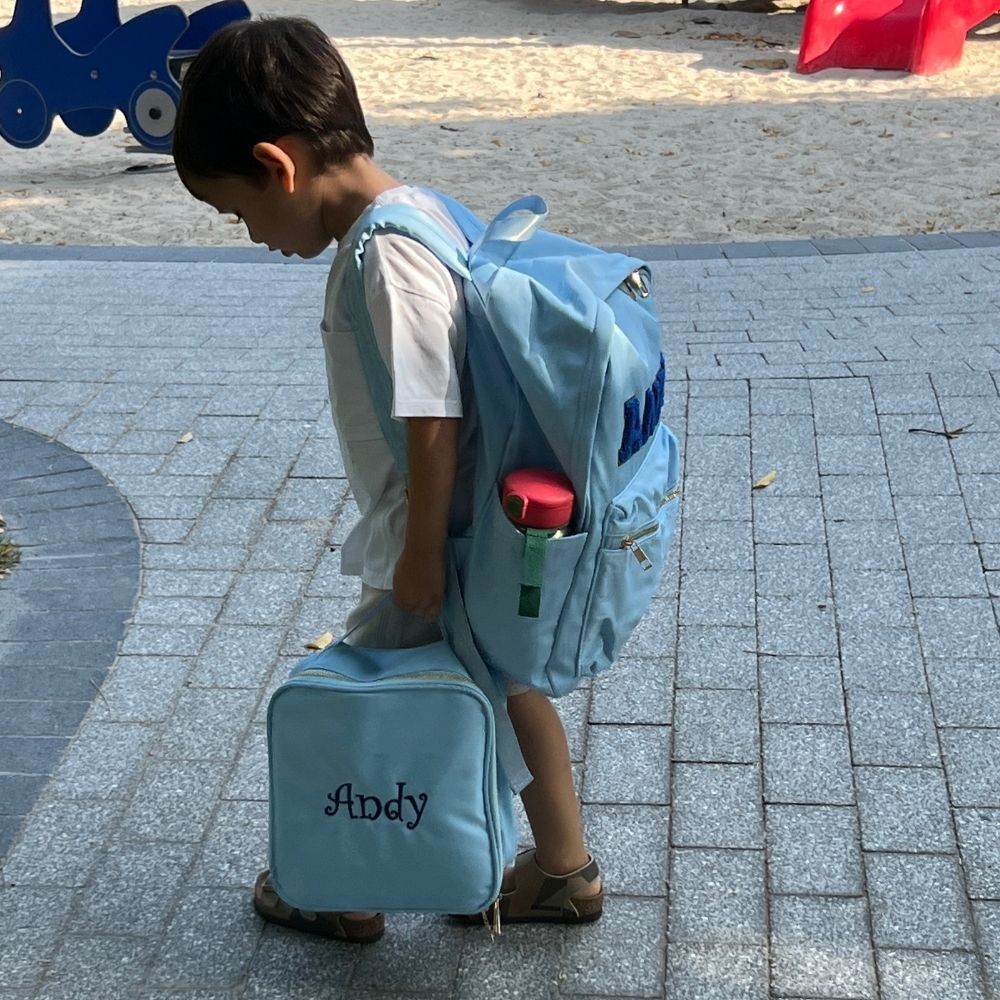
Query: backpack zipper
631	542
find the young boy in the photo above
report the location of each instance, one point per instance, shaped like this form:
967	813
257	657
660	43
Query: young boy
270	129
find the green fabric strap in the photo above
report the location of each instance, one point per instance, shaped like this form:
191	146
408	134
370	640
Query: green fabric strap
532	569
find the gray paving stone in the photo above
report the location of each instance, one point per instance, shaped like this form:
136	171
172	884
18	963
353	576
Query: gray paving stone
60	843
821	943
963	384
807	764
909	975
628	764
965	693
230	522
635	691
716	498
796	626
526	969
813	850
801	689
933	519
153	814
881	659
716	972
865	545
976	453
237	656
103	760
980	494
945	571
788	520
720	415
655	635
235	848
700	604
175	611
717	805
872	598
712	726
210	941
979	841
972	764
187	583
97	966
206	724
308	499
630	842
957	627
716	657
421	954
263	598
714	545
903	394
249	778
850	455
709	455
918	901
300	967
987	916
717	897
133	890
892	728
164	640
789	570
904	809
290	545
607	959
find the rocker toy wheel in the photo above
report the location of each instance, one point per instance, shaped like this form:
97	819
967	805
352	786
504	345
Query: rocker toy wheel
24	116
151	116
89	121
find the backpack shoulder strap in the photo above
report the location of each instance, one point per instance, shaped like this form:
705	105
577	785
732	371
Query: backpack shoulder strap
406	221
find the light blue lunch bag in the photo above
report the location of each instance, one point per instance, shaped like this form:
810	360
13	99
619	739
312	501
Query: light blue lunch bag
386	793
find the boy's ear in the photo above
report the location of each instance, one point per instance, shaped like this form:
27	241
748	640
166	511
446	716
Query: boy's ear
280	166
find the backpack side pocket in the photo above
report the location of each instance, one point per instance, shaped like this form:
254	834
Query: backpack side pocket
637	530
517	645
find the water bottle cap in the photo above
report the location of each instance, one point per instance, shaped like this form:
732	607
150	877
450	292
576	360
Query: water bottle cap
538	498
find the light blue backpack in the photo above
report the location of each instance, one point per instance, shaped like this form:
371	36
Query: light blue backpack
385	788
563	348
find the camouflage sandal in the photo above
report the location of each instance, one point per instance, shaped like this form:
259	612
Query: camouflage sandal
272	908
533	896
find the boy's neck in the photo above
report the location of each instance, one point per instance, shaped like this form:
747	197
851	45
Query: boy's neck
349	190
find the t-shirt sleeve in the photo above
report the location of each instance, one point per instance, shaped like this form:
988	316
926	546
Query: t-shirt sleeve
418	314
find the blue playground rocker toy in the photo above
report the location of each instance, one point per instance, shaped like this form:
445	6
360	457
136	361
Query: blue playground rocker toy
85	68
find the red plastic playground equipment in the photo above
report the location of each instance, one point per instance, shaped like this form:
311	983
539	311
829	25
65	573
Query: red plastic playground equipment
921	36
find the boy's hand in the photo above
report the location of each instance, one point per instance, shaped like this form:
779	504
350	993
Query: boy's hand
418	583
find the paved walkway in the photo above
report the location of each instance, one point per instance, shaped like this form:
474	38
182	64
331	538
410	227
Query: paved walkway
792	778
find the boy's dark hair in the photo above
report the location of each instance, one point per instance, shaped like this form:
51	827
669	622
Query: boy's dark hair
256	81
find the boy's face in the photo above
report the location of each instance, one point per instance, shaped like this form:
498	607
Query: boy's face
281	210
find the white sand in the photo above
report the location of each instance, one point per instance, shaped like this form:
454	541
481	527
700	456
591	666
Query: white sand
662	137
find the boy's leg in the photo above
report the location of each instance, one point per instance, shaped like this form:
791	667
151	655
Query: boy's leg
550	800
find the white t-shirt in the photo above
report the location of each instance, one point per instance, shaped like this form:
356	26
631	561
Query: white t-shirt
418	312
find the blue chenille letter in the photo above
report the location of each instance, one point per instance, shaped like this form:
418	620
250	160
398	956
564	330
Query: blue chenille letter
632	436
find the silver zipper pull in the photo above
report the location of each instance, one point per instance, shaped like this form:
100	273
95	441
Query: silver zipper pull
637	550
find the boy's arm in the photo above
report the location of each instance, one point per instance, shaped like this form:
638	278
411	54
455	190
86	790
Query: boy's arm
432	453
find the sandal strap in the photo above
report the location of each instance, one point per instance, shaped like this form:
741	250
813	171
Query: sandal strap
539	894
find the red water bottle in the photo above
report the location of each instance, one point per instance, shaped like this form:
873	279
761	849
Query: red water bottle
540	503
